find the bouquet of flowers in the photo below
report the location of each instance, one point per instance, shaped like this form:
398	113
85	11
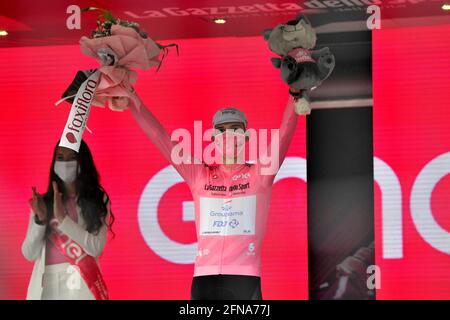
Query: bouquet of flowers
118	46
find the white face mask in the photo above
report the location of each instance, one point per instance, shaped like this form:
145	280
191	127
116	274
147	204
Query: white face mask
66	170
230	144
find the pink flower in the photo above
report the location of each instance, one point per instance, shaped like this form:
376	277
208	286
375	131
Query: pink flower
130	50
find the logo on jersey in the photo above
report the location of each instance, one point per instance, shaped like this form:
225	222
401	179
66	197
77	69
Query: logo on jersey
240	186
251	249
231	216
241	176
210	187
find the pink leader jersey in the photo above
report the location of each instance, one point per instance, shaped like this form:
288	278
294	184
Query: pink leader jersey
231	201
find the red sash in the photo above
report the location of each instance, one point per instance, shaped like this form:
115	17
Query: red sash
87	265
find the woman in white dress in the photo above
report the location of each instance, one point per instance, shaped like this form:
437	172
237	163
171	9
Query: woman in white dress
67	230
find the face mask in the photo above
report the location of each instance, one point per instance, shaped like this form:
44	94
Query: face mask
229	144
66	170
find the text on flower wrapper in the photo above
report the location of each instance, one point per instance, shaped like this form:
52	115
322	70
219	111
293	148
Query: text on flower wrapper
79	113
82	105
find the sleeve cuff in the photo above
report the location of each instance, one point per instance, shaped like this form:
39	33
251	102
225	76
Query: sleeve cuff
38	226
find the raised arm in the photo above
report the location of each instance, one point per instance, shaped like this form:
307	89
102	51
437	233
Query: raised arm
287	128
286	132
188	169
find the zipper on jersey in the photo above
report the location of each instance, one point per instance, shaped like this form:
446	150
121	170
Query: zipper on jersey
227	218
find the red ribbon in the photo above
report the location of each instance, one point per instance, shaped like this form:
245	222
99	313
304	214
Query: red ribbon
89	270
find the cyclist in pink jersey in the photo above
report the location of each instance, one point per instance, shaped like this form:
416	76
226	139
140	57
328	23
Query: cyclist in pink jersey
231	202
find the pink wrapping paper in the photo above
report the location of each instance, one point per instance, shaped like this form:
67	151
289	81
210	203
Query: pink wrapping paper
115	83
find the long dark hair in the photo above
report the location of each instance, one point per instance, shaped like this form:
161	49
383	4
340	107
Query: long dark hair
92	197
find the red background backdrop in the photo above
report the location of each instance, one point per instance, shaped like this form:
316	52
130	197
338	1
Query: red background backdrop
208	74
411	127
411	82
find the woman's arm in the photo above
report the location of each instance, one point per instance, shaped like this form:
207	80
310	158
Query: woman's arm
34	239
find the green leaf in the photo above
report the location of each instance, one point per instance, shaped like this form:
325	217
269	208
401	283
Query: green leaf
105	13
